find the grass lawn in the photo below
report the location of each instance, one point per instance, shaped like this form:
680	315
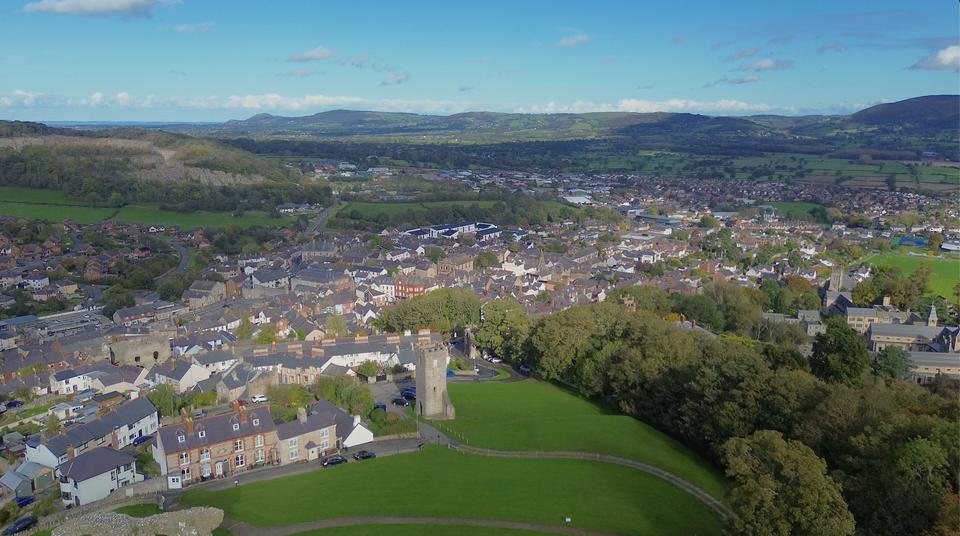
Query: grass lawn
946	271
443	482
415	530
372	209
220	531
139	510
795	210
530	415
54	205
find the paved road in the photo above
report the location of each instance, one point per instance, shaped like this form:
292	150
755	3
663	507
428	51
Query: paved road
324	216
242	529
184	253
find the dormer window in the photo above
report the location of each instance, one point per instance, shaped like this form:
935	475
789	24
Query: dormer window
236	426
181	438
202	434
256	422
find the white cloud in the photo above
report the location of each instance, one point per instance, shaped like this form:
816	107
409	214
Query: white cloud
195	28
734	81
123	99
572	41
96	99
297	73
832	46
357	61
394	79
741	54
766	64
316	54
125	8
946	59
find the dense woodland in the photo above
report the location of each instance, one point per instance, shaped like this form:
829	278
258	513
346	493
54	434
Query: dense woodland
840	443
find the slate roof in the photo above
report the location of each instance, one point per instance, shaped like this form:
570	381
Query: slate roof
905	330
94	463
217	429
314	422
127	413
209	358
327	411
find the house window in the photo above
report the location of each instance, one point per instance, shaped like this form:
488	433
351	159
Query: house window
185	473
181	438
136	359
239	461
202	434
113	475
205	454
205	471
238	445
260	457
324	433
258	442
294	451
256	422
236	426
184	458
324	445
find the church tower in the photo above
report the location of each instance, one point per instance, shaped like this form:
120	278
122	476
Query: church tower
932	316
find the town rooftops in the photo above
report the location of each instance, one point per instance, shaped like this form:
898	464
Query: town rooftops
94	462
311	423
905	330
127	413
216	429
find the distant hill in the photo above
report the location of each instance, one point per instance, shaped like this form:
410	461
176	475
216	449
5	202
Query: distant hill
929	112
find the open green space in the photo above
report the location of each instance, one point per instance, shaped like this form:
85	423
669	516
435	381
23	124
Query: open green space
54	205
795	210
946	270
390	209
416	530
539	416
139	510
443	482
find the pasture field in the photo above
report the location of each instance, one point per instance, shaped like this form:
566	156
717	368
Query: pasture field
946	269
368	209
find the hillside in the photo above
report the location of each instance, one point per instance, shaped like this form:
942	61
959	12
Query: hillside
929	112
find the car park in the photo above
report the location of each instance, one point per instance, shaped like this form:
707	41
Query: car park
364	455
20	525
336	459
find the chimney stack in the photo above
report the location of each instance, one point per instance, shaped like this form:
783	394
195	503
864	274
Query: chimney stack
302	415
70	452
886	301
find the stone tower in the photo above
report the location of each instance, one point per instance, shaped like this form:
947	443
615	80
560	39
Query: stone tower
433	402
836	278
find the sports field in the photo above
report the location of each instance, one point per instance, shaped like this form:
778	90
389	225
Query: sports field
537	416
946	269
445	483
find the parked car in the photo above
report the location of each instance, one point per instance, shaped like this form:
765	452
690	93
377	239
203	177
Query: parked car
142	439
364	455
14	404
400	401
20	525
258	399
380	405
336	459
495	360
411	390
525	369
24	501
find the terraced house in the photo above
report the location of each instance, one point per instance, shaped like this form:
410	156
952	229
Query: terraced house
193	450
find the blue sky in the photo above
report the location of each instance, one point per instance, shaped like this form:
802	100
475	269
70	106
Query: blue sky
204	60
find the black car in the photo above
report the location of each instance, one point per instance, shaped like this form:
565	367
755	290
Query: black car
24	500
20	525
409	395
400	401
409	390
336	459
14	404
380	405
364	455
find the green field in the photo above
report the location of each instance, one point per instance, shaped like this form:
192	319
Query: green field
445	483
56	206
416	530
372	209
530	415
946	271
139	510
795	210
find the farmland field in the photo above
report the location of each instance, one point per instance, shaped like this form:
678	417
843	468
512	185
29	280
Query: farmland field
372	209
56	206
442	482
946	270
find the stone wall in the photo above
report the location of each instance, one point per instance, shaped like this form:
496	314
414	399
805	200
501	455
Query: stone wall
192	522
